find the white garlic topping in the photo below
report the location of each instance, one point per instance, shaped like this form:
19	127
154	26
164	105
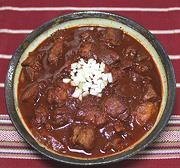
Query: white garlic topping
88	77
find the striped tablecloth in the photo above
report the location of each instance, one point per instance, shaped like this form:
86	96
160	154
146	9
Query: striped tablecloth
18	18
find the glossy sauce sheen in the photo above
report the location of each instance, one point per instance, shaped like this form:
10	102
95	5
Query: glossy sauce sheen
97	126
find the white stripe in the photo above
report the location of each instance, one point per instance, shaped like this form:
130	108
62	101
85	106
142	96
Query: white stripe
168	136
178	85
5	121
174	122
174	57
3	8
4	115
9	156
161	151
12	31
153	157
18	151
6	135
27	31
173	31
6	56
1	85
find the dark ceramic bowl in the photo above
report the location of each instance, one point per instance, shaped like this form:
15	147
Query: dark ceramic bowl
95	19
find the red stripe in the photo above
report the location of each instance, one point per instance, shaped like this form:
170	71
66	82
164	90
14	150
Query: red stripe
10	42
177	104
99	3
176	64
32	19
165	163
2	102
170	42
3	69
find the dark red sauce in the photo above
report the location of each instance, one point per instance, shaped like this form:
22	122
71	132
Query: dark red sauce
95	126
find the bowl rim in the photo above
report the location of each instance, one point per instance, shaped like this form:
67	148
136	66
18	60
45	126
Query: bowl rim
171	86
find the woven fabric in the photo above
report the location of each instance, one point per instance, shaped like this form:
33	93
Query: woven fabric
18	18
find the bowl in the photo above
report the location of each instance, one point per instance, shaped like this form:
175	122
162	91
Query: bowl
92	18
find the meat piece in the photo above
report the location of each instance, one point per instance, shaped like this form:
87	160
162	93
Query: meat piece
117	144
117	74
55	144
115	108
84	137
22	77
113	36
126	63
135	77
90	100
86	50
118	126
31	92
50	140
108	131
56	52
57	94
93	115
87	36
40	115
32	72
143	67
30	60
130	52
73	103
32	65
107	56
144	112
141	57
150	93
60	117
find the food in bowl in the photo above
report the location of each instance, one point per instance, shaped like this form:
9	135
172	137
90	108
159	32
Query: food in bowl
89	91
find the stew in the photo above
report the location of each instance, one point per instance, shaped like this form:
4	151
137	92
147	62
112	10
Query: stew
101	119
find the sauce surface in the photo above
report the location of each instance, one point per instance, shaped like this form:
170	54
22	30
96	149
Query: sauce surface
95	126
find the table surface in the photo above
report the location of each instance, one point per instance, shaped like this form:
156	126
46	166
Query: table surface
18	18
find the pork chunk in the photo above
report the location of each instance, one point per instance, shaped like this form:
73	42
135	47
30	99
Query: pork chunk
31	92
144	112
32	66
86	50
83	136
117	144
150	93
60	117
117	74
55	52
93	115
130	52
143	67
115	108
118	126
107	56
113	36
57	94
41	115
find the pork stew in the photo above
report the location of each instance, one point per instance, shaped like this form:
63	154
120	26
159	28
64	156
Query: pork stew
92	125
